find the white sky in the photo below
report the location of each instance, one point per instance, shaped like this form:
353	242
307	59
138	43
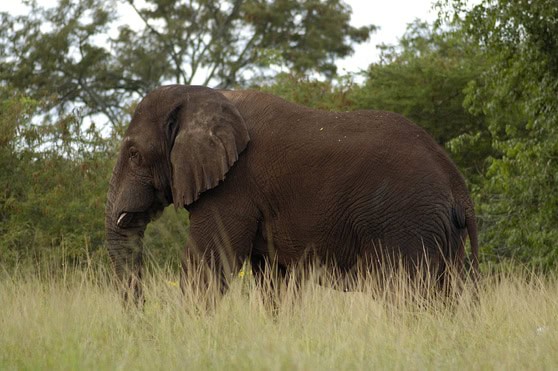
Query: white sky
391	16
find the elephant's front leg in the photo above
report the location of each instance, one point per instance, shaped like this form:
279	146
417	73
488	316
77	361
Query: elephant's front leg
215	251
204	276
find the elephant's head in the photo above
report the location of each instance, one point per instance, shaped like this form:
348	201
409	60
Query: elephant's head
181	142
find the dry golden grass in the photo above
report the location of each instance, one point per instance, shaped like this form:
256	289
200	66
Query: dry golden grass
77	321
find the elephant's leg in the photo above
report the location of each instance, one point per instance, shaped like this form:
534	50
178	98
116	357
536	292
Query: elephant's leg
133	290
268	273
203	275
452	275
258	264
216	248
272	279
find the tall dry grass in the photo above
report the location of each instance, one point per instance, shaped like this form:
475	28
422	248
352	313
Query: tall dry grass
77	321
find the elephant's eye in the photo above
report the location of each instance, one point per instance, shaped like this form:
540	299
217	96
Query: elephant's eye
134	154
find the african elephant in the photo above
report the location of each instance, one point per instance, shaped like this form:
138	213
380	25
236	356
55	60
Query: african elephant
265	179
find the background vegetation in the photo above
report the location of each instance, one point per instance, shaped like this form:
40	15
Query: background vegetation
483	81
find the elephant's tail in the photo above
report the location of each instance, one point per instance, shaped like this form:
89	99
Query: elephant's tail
464	218
471	223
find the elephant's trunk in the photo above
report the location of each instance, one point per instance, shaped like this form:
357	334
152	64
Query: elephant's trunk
125	248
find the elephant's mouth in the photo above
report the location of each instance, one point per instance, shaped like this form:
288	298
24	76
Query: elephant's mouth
128	219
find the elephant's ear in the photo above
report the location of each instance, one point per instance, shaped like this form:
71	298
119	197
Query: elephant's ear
207	142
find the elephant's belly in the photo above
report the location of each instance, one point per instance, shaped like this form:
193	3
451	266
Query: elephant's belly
379	226
373	246
286	241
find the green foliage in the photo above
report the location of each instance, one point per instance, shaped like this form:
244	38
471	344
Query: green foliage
165	238
222	40
54	182
325	95
66	55
309	34
54	55
517	96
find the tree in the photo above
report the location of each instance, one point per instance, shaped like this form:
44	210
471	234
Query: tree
330	95
225	39
54	56
52	195
517	95
66	56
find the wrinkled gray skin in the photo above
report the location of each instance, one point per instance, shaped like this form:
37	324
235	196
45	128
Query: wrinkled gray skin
268	180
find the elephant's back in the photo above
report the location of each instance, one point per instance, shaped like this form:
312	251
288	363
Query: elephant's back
279	125
364	131
301	146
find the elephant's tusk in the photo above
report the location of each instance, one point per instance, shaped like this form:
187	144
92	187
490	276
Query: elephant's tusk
120	219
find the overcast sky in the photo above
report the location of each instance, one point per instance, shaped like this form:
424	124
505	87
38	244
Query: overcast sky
391	16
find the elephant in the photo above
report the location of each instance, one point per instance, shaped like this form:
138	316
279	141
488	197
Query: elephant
267	180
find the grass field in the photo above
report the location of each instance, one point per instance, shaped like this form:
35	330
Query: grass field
77	321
